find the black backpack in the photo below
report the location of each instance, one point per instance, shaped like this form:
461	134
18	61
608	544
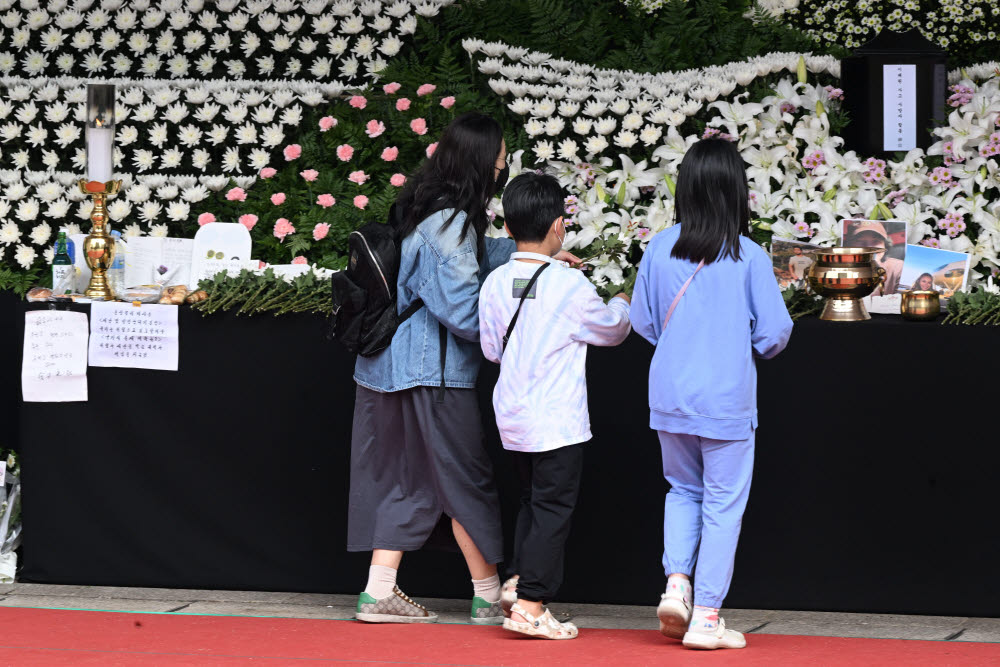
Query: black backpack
364	315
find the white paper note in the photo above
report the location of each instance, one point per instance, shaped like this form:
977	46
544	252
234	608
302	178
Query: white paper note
152	260
54	367
899	111
127	336
177	257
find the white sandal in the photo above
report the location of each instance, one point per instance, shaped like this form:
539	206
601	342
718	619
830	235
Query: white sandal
544	626
508	595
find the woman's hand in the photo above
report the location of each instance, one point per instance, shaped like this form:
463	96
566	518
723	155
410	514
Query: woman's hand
568	257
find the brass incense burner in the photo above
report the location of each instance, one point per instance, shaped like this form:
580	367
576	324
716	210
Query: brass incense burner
99	246
845	276
921	305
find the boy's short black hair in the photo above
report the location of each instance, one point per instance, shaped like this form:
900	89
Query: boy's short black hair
531	203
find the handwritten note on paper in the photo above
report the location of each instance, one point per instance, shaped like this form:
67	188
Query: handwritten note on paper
54	367
127	336
151	259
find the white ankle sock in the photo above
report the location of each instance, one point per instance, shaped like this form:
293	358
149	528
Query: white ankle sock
488	588
381	580
679	585
704	619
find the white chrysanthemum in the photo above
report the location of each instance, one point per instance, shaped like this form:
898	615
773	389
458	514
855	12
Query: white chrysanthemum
57	210
595	145
143	160
131	231
178	210
408	26
534	127
119	209
215	183
158	134
231	160
8	61
21	159
189	135
605	126
632	121
218	134
159	231
349	68
321	68
308	45
381	23
595	109
150	211
200	159
207	112
521	106
16	190
626	139
259	158
650	135
35	63
292	116
195	194
352	25
273	135
9	233
26	114
544	150
246	134
48	191
138	193
364	46
28	209
178	66
568	150
82	39
25	256
41	234
293	67
171	158
554	126
175	113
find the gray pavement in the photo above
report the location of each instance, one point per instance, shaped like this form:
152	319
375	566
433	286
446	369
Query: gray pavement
341	607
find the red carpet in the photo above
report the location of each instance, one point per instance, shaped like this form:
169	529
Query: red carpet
51	637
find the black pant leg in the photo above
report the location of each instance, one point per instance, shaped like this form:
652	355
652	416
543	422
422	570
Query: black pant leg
555	486
523	464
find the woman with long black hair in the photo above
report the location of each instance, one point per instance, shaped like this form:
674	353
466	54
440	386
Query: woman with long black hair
417	445
706	297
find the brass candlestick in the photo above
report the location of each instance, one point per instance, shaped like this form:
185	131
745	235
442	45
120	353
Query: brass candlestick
99	247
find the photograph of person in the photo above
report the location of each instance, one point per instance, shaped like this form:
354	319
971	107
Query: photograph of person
888	234
944	271
791	262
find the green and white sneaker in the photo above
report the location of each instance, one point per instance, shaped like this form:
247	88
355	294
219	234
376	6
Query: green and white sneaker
486	613
395	608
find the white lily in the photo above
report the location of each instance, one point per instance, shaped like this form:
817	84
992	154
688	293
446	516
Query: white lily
673	149
734	115
964	129
631	177
764	165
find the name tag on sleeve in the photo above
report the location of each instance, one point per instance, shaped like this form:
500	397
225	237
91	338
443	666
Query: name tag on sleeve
520	284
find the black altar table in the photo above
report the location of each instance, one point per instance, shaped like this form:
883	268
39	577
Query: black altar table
874	489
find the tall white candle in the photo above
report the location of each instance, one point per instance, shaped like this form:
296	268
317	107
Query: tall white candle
100	141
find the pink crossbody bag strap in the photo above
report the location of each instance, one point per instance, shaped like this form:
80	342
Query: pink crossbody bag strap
677	298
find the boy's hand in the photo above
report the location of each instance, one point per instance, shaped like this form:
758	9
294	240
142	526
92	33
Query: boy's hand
568	257
623	295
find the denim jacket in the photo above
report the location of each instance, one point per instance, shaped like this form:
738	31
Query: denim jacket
437	265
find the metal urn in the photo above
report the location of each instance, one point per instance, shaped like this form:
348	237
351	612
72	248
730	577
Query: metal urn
845	276
920	305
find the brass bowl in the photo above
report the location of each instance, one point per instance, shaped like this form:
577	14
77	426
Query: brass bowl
921	305
844	276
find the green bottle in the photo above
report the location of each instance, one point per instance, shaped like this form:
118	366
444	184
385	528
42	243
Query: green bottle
62	266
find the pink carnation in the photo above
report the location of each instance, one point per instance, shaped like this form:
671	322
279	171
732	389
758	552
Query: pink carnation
283	228
320	231
359	102
248	220
278	198
391	88
300	260
402	104
374	128
261	264
448	102
326	201
425	89
292	152
236	194
390	154
345	152
431	149
309	174
358	177
361	201
268	172
397	180
327	123
419	125
206	218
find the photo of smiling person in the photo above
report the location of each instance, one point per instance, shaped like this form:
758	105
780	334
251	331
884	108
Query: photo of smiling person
888	234
943	271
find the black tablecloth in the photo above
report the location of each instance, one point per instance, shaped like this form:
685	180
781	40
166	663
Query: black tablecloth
874	487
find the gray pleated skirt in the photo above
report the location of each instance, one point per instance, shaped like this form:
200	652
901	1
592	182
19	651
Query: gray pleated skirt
414	458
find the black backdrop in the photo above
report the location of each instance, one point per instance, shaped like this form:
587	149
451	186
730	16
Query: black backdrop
874	487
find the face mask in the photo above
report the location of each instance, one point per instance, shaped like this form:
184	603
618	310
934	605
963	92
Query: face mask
562	239
502	177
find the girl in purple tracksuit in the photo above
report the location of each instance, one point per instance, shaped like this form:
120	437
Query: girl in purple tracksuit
725	311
